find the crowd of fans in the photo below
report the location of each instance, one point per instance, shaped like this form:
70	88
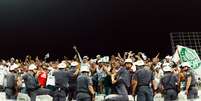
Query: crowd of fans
119	75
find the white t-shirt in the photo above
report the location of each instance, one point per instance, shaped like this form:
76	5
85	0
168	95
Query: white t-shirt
3	73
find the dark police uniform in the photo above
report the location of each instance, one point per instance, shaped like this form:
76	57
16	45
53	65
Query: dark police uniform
131	74
72	84
193	90
83	81
123	82
61	82
31	85
107	84
144	77
169	82
10	88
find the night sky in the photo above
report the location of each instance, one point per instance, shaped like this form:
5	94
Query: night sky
95	26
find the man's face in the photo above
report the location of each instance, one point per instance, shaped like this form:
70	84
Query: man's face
149	64
133	58
101	64
116	64
93	65
185	68
167	60
35	71
85	60
128	65
113	70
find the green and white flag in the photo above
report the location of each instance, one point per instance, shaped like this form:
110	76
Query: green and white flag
185	54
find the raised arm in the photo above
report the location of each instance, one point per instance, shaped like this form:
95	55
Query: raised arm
75	48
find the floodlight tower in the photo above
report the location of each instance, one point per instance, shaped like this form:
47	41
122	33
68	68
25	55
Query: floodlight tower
188	39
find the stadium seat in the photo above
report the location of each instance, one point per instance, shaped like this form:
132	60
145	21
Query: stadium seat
44	98
3	96
100	97
130	98
158	97
23	97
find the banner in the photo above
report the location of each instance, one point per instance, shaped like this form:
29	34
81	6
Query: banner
187	55
184	54
175	57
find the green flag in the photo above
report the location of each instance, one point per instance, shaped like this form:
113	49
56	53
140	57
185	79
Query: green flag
189	55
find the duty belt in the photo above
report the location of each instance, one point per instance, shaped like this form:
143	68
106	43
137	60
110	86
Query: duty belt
143	85
170	89
60	88
192	85
83	92
10	87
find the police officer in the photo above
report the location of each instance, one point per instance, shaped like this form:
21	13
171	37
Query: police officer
169	84
73	71
121	83
141	84
61	83
85	91
191	89
11	82
129	65
31	82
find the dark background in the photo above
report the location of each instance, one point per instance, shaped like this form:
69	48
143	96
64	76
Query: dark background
36	27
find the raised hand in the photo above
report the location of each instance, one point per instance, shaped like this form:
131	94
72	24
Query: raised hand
75	48
119	55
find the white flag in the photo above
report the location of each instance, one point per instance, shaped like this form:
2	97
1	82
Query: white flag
47	56
175	57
